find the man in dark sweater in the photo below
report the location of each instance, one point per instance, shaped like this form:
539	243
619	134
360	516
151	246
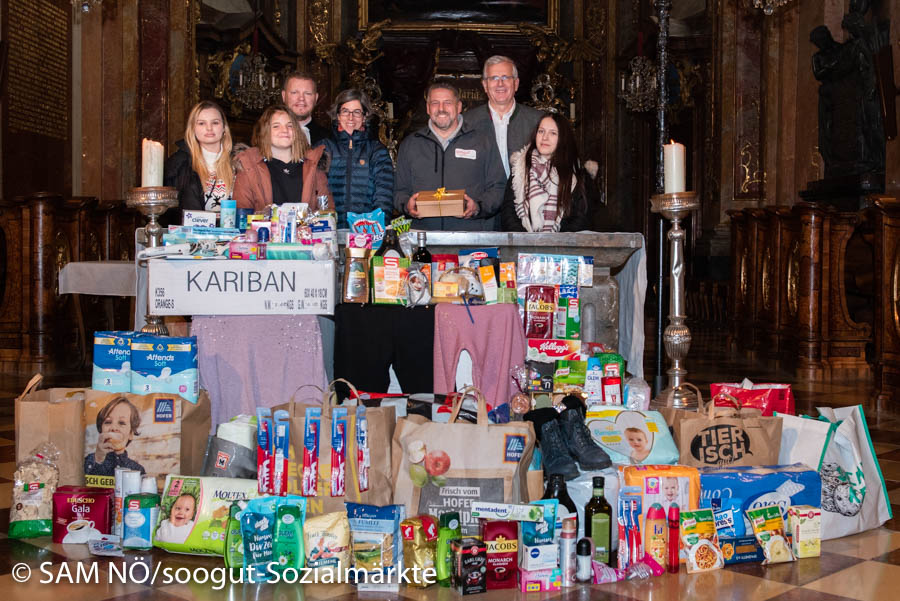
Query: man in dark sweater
505	121
449	153
300	94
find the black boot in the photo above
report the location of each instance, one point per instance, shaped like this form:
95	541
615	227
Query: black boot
554	452
587	453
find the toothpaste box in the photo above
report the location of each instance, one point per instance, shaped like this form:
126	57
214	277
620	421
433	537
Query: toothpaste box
505	511
112	361
166	364
539	557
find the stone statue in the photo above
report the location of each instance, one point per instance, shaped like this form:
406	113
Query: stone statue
851	125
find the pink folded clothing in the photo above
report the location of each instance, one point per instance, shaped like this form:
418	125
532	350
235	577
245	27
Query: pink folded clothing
496	342
257	361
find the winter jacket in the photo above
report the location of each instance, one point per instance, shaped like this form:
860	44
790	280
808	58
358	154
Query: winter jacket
179	173
361	175
471	162
253	183
576	220
521	126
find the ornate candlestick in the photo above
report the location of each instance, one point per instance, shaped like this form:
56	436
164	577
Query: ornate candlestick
675	207
152	202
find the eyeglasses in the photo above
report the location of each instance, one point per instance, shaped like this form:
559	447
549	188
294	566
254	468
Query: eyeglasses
348	113
499	78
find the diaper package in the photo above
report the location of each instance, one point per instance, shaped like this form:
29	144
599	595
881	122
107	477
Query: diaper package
632	437
664	484
112	361
782	485
193	513
165	364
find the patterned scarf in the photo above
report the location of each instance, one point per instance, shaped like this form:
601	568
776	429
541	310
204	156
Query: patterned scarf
540	198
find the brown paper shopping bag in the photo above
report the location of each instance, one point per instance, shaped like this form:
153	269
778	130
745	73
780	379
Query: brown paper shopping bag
446	466
724	436
157	434
380	424
52	415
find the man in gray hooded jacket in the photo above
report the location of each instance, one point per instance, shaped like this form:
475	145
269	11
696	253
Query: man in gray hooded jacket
448	153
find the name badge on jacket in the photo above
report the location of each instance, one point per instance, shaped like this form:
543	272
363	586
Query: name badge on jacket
463	153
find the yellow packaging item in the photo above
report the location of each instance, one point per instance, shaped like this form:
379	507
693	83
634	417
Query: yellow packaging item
419	535
805	522
700	541
768	526
327	543
664	484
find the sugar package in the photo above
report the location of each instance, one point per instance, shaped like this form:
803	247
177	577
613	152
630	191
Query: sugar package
112	361
165	364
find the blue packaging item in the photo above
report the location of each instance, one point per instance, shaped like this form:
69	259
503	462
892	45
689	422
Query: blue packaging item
728	515
632	437
782	485
368	223
375	541
242	219
140	513
741	549
471	257
541	532
258	530
166	364
228	213
112	361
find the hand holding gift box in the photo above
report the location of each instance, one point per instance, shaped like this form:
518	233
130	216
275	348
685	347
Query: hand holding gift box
442	203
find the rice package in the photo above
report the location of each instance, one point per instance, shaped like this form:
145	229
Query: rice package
747	488
632	437
193	513
327	540
664	484
112	361
165	364
375	542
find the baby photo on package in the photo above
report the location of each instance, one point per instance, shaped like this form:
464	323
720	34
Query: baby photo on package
632	437
665	484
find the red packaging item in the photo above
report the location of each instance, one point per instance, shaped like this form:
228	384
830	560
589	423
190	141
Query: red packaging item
540	305
768	398
501	539
80	513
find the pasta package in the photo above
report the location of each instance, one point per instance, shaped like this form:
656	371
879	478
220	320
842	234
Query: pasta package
698	535
194	512
768	526
34	482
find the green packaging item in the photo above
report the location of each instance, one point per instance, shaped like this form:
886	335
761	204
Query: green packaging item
568	375
567	321
288	251
288	550
600	525
234	541
139	515
448	530
389	276
611	364
543	531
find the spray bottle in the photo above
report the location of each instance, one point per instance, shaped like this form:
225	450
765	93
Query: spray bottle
448	530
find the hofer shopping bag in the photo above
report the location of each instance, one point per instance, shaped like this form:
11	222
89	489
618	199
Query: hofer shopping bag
719	436
379	428
768	398
52	415
442	467
838	445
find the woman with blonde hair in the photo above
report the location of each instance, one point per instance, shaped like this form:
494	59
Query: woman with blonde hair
280	167
201	168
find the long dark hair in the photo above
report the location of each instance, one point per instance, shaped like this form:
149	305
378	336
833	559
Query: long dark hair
564	161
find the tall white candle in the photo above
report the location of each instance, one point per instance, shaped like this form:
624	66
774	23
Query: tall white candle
571	111
390	110
673	167
152	157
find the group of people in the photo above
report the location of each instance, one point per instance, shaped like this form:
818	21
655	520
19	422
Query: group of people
519	167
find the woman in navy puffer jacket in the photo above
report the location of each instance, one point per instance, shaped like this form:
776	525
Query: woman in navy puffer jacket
361	174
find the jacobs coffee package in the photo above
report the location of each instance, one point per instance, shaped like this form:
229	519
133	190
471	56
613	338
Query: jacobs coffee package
540	306
501	541
81	513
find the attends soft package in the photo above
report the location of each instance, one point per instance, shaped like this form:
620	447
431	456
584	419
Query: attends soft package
193	513
632	437
165	364
112	361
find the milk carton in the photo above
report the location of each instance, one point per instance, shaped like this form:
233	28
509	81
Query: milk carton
112	361
166	364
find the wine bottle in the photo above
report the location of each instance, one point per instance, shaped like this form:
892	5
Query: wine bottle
556	489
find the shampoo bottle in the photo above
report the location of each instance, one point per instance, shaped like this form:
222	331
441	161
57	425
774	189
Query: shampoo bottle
655	531
287	551
234	542
448	530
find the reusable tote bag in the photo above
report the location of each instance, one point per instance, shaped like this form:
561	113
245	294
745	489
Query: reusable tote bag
380	428
838	445
442	467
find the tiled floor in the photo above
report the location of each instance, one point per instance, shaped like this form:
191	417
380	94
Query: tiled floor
862	567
